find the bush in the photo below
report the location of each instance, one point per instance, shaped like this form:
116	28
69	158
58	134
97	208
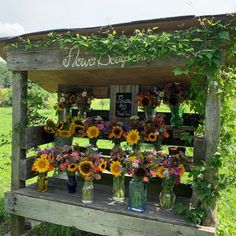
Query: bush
5	97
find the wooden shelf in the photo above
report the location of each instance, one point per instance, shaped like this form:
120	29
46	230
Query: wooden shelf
104	216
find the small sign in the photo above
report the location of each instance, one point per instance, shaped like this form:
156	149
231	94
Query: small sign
123	104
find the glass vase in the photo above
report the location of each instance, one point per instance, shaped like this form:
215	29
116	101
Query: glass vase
176	119
42	182
150	115
88	191
137	196
167	196
118	188
71	183
92	148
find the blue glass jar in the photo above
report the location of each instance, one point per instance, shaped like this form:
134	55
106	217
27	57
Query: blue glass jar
137	196
72	183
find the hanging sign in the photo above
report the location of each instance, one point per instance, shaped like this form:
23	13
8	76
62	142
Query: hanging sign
123	104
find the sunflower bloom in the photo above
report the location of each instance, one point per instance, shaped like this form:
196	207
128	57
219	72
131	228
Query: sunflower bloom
92	132
72	167
41	165
160	171
133	137
86	168
117	132
132	158
102	165
152	137
116	168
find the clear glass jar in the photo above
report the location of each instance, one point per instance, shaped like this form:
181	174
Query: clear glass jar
167	196
118	188
88	191
71	183
137	196
42	182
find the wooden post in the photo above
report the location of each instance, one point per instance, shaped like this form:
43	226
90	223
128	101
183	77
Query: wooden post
212	137
19	117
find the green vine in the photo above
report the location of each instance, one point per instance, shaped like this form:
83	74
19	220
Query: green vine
209	52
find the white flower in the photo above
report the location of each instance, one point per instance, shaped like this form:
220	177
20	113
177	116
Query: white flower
165	172
135	164
134	118
157	133
62	99
200	176
84	94
120	123
89	101
98	118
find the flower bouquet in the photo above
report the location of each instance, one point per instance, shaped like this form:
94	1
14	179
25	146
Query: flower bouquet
43	163
148	102
68	161
141	168
174	95
170	168
90	168
83	102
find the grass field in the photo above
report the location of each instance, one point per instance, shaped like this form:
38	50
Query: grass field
226	205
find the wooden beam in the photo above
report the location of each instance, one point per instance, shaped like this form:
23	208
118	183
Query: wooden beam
212	136
19	117
76	58
114	218
34	136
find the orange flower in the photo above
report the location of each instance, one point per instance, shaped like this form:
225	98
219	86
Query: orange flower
166	135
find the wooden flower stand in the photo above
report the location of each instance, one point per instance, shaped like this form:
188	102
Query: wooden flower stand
58	69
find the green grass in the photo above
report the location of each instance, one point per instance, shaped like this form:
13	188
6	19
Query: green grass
226	205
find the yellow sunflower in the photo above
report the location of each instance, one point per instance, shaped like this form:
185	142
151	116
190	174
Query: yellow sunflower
182	169
92	132
44	156
102	165
132	158
79	130
64	133
152	137
116	168
133	137
41	165
72	167
117	132
160	171
86	168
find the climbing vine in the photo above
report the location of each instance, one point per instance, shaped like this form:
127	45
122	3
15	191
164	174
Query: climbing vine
209	52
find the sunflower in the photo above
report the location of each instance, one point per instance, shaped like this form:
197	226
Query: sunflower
181	169
41	165
117	132
60	125
160	171
133	137
152	137
132	158
44	156
86	168
102	165
116	168
79	130
72	99
72	167
92	132
145	101
64	133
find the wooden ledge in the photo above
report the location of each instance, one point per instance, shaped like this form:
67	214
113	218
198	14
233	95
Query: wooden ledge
104	216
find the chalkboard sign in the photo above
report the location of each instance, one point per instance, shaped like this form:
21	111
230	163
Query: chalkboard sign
123	104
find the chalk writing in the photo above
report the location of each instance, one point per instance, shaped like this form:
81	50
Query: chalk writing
123	104
75	59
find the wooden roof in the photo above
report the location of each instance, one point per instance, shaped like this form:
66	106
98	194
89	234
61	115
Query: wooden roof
45	66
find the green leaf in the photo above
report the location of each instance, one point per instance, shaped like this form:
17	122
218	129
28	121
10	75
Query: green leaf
178	71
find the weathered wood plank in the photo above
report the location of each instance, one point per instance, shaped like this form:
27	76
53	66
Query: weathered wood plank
34	136
25	168
114	218
19	117
76	58
212	136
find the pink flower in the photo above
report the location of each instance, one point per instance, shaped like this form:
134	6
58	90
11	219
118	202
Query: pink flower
153	173
145	179
100	126
75	156
58	158
62	167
